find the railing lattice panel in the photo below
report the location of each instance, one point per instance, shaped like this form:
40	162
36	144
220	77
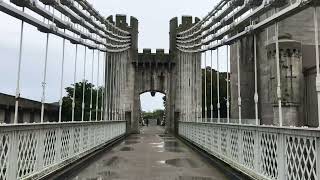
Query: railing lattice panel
34	150
262	152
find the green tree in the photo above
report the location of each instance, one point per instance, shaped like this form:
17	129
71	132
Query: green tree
156	114
214	98
78	88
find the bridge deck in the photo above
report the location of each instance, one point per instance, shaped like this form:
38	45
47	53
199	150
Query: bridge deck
151	155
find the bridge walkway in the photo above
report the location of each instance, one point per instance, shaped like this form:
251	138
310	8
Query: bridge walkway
151	155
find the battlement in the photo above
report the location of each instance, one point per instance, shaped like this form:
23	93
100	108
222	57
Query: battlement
120	21
159	57
187	22
148	51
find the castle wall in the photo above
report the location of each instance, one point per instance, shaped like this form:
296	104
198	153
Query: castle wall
298	28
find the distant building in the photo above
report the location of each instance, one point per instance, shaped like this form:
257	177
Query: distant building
29	110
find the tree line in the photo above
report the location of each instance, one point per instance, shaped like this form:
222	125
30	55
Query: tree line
214	98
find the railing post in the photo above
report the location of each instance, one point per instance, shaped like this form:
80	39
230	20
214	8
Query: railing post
13	156
318	157
281	151
240	144
219	138
257	153
72	142
40	148
58	145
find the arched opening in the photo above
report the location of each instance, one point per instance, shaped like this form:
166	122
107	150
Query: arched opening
152	106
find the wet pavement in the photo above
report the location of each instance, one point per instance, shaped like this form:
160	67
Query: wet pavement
151	155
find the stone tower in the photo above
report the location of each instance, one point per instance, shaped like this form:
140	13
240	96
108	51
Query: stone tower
297	69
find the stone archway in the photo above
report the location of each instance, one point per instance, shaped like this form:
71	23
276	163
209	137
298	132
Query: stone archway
153	72
176	75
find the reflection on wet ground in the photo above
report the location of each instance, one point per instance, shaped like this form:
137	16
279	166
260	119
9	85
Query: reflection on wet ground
109	174
151	155
115	161
105	175
165	135
169	146
193	178
133	138
130	142
182	162
126	149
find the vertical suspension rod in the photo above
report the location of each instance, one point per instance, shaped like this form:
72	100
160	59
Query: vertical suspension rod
278	74
205	87
106	81
218	86
84	84
256	97
43	98
74	82
91	93
120	87
211	79
228	102
97	95
61	80
16	110
103	87
316	38
239	82
110	86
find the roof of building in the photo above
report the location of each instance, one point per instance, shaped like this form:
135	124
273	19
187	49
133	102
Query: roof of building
7	100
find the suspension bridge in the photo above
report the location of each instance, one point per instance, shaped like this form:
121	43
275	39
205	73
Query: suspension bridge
257	119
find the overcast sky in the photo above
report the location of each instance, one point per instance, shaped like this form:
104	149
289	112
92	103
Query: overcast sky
153	16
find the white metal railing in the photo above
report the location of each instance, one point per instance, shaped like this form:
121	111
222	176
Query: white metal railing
34	150
261	152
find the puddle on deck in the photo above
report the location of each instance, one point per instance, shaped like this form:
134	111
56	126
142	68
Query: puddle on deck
182	162
129	142
127	149
105	175
133	138
193	178
169	146
115	162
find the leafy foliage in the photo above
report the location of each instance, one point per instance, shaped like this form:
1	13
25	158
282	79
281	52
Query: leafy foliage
78	88
156	114
214	98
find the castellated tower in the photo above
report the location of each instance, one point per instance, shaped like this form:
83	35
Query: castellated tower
128	106
297	72
187	74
